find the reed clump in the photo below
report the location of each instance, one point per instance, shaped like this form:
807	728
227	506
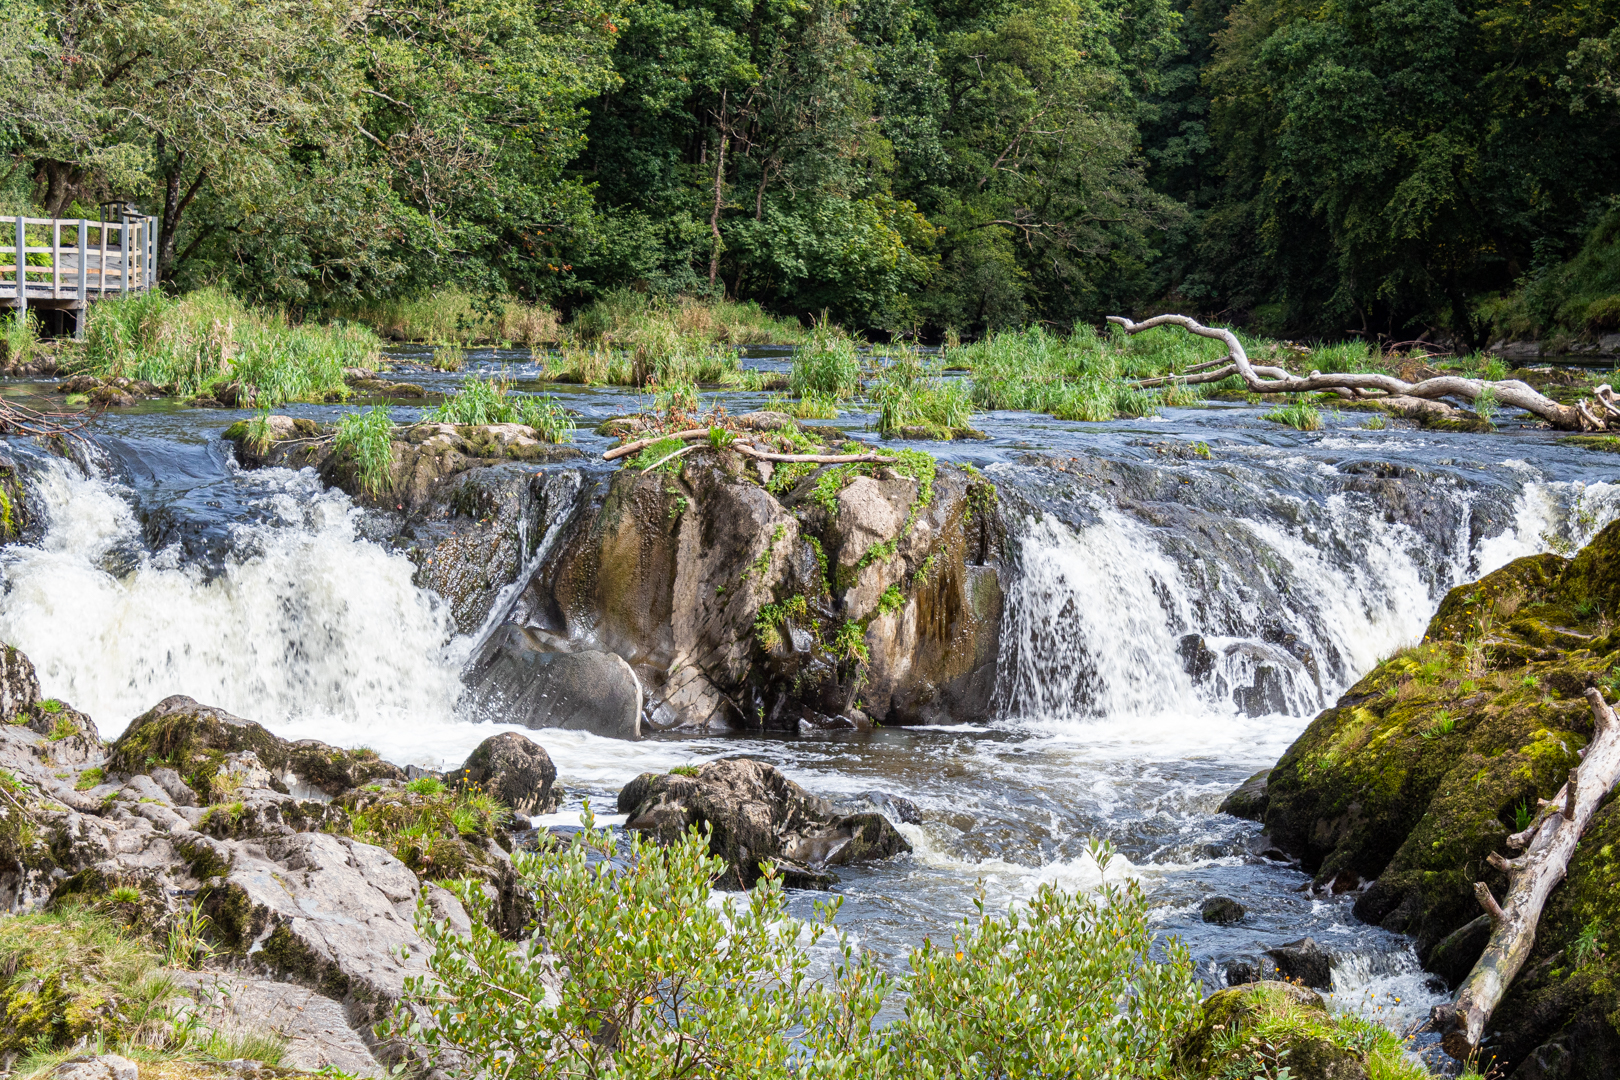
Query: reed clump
459	317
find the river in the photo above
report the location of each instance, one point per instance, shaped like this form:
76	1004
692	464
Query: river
1151	584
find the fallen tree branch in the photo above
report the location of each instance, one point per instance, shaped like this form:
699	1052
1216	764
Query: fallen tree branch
671	457
20	420
1512	392
642	444
1550	841
819	459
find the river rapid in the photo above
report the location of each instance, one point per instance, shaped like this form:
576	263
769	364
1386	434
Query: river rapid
1151	585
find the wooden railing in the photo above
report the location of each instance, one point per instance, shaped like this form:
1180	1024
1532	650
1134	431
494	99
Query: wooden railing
89	260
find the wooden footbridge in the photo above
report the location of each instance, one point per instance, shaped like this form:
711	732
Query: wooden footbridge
63	264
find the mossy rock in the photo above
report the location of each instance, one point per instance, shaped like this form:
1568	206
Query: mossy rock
1607	443
1423	768
193	739
1261	1028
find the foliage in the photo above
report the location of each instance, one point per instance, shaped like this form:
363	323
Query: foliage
366	439
1298	414
491	401
199	343
657	452
916	400
850	642
642	971
826	364
448	357
456	316
629	318
426	825
19	337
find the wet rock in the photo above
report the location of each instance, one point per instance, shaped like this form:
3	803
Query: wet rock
757	816
1249	800
1250	969
1304	962
514	770
520	681
1222	911
1456	954
894	807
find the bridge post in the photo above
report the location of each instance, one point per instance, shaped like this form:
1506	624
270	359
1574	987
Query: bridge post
22	272
123	256
84	270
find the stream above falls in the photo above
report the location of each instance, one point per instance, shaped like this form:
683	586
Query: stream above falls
1172	623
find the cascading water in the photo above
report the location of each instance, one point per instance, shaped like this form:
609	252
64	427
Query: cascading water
305	624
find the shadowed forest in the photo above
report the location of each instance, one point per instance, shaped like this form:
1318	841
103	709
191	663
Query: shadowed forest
1378	169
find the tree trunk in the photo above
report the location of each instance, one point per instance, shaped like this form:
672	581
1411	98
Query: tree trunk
714	218
1550	841
174	208
1375	386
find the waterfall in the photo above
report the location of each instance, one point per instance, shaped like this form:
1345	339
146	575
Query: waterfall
308	624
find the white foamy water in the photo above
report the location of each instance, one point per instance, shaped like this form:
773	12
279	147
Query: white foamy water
311	630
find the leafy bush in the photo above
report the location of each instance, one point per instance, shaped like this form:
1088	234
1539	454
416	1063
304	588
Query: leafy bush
643	973
367	439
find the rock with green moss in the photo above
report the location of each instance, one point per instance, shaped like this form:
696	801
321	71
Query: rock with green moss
1420	771
512	769
1278	1028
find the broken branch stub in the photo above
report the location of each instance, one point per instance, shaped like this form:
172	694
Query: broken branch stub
1376	386
1550	841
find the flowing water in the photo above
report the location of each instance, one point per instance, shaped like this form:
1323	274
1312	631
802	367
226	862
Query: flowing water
1154	592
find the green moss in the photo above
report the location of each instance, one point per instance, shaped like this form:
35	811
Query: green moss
1607	443
286	954
436	831
90	778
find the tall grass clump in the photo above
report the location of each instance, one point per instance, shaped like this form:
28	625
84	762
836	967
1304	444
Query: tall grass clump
588	365
194	344
491	401
827	363
637	947
630	318
19	337
366	439
915	400
1298	414
458	317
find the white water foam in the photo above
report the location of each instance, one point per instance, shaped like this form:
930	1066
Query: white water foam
314	626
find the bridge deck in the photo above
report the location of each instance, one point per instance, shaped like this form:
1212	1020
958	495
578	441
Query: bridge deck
69	263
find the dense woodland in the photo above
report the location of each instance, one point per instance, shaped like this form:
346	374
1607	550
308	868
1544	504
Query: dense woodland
1385	168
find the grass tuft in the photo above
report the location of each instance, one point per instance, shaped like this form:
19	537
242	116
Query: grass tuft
367	439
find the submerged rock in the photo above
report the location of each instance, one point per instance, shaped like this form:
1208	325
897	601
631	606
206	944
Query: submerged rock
1424	767
756	815
1222	911
1250	799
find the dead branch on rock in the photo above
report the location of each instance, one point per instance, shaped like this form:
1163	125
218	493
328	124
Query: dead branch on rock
746	449
1548	842
20	420
1381	388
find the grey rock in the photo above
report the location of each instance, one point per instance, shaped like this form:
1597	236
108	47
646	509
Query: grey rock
763	420
317	1031
520	681
1222	911
177	789
19	686
99	1067
1251	969
756	815
514	769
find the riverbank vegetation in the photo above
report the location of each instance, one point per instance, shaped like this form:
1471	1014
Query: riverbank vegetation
1065	985
463	173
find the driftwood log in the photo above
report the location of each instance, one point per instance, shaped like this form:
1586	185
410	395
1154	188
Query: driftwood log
694	435
1547	844
1396	394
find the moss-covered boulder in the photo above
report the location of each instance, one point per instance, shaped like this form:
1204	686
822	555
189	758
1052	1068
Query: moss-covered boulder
1419	772
1277	1028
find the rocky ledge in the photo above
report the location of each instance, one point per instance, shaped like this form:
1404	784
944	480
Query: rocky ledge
711	593
1399	793
310	861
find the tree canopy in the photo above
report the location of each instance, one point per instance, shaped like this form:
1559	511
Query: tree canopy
1376	167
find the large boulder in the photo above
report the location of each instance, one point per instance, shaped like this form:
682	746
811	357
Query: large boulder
1404	788
515	770
518	680
19	686
1299	1040
754	816
741	604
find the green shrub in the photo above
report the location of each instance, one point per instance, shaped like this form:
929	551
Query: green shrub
453	315
643	973
366	438
19	337
491	401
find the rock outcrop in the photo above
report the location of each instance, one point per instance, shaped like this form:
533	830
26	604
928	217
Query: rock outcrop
829	597
1402	789
754	815
308	860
